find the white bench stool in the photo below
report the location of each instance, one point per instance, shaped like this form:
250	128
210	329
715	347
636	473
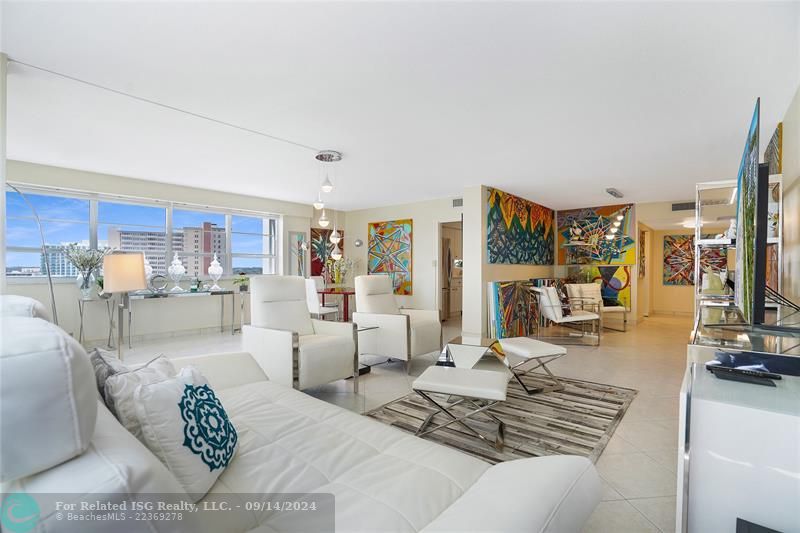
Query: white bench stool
471	386
520	351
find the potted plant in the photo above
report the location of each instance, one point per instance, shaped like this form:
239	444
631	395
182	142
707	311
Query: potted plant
86	261
242	281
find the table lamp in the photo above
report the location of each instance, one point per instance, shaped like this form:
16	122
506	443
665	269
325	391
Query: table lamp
123	272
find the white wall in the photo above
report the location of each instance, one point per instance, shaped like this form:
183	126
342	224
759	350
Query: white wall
425	247
791	200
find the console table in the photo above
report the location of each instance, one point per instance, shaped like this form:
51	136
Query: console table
187	294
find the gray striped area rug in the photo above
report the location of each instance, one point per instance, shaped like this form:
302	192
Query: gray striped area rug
576	421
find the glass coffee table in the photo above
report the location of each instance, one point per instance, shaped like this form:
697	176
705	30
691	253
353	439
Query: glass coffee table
515	355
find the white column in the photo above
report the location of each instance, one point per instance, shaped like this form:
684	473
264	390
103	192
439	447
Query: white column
3	131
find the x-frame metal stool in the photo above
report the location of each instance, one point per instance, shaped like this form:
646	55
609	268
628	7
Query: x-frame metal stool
480	389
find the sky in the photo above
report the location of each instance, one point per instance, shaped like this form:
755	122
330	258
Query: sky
66	220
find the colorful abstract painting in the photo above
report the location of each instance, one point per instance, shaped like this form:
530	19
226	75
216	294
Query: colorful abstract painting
519	232
511	309
615	281
389	252
642	253
322	248
679	259
297	253
583	236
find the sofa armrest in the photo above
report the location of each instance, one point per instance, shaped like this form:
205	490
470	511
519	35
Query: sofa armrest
544	494
329	327
391	339
224	370
422	314
276	351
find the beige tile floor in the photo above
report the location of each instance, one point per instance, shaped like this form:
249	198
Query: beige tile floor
639	465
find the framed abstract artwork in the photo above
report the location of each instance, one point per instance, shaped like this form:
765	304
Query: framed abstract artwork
583	236
322	248
519	232
389	248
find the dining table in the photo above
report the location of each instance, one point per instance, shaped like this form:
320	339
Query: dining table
344	292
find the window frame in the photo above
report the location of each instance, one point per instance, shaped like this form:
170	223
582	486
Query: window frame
169	206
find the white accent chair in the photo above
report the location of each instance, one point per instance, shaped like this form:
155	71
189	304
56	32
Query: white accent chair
314	307
302	352
401	333
551	308
591	293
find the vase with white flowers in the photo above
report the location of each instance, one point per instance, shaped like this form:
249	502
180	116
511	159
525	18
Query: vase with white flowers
86	261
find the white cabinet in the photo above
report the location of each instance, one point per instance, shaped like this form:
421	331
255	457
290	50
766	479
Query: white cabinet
739	452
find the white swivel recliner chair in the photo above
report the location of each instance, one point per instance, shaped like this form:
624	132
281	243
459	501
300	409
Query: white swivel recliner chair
302	352
400	333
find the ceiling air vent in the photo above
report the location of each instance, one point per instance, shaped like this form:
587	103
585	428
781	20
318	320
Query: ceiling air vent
683	206
458	202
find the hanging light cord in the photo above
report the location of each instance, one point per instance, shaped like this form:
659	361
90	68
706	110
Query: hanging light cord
163	106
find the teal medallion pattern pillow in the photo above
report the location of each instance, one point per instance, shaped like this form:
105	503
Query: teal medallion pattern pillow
207	430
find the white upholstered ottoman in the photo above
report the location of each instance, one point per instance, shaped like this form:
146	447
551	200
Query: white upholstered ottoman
480	389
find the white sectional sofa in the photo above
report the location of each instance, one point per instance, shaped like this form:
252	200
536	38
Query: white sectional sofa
382	479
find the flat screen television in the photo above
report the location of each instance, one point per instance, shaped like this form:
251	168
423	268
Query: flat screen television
751	236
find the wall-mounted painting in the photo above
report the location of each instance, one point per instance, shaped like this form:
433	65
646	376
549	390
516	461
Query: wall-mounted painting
298	248
679	259
615	281
773	155
389	252
596	236
322	248
512	309
519	232
642	253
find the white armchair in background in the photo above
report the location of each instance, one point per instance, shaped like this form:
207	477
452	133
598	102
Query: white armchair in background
552	309
291	347
400	333
591	292
314	307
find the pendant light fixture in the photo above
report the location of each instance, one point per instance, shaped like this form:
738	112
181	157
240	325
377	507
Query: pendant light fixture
328	156
319	204
323	220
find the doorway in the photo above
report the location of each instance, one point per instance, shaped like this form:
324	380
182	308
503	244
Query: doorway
450	271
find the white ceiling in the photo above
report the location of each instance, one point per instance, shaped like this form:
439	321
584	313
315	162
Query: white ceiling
554	102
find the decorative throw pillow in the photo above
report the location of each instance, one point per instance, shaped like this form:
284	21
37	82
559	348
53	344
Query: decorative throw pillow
105	364
120	388
186	427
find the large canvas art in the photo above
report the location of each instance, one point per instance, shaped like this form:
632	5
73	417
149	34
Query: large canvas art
679	259
322	248
615	281
389	252
746	220
511	309
583	236
519	231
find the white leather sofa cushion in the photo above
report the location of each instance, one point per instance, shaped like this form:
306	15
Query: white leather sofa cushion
279	302
114	464
554	494
22	306
185	425
483	384
321	356
383	479
375	294
48	398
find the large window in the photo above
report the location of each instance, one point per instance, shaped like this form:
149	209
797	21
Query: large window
241	242
64	220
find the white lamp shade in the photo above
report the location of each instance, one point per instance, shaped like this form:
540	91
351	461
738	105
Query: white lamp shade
124	272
